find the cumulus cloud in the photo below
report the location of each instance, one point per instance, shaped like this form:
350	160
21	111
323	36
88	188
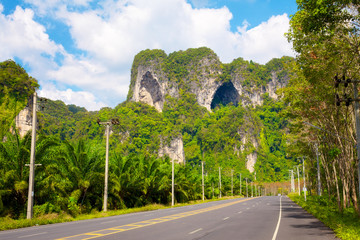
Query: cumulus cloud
110	33
68	96
266	41
22	37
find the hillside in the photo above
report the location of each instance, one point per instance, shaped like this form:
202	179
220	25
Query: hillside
242	125
233	133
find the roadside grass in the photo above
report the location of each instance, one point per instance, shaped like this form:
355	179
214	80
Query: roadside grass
346	225
7	223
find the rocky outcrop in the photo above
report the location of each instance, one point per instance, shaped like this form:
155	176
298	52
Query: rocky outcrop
203	75
174	150
23	121
155	75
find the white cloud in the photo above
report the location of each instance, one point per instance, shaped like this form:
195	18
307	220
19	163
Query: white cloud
21	36
68	96
266	41
110	35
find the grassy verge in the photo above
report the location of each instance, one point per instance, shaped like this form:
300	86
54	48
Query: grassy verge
7	223
346	225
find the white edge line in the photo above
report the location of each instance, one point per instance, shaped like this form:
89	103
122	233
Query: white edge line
195	231
278	224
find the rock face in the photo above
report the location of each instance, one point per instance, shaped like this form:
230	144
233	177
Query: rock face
203	76
155	75
23	120
175	150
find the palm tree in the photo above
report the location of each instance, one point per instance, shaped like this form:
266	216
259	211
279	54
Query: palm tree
82	168
14	175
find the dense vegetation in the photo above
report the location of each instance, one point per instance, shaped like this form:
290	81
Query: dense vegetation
71	147
15	88
325	34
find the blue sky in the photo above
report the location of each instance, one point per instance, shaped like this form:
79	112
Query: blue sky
81	51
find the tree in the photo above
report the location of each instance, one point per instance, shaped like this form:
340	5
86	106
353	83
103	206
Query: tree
81	165
325	34
16	86
14	175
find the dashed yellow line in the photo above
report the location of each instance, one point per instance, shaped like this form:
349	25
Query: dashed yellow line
127	227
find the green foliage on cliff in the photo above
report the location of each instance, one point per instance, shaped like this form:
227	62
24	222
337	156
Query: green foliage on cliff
181	67
16	86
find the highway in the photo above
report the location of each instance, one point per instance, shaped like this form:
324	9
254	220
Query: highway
243	218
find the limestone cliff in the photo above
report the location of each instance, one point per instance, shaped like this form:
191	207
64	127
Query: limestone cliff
23	121
155	75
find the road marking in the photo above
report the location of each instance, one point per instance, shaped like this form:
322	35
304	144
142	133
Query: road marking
36	234
226	218
127	227
240	212
247	208
278	224
195	231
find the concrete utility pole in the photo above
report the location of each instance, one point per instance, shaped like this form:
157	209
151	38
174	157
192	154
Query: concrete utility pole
212	187
172	182
202	176
292	180
220	181
232	182
30	204
240	184
246	187
107	133
252	190
298	174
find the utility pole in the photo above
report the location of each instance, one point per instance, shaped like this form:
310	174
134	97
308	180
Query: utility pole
298	174
292	180
246	188
212	187
172	183
202	176
232	182
30	204
347	101
240	184
220	181
252	190
107	133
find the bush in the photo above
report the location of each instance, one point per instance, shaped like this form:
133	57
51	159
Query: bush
46	208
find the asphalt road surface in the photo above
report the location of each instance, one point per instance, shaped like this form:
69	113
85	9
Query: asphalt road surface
244	218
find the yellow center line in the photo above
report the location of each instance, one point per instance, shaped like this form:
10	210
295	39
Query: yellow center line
127	227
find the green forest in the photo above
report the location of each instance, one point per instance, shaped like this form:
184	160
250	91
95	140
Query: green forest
71	144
